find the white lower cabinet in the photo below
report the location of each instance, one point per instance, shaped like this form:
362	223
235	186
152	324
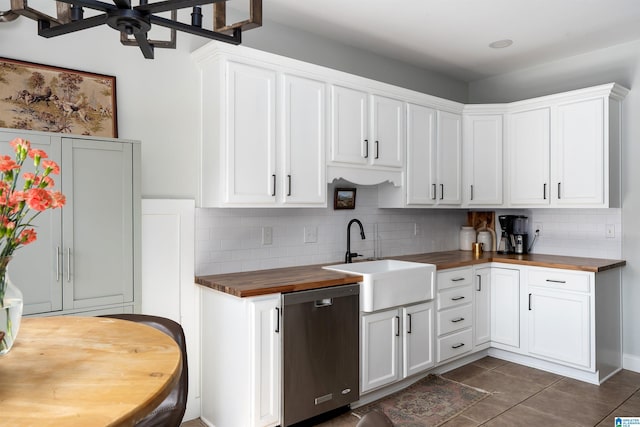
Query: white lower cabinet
241	360
559	317
395	344
482	308
505	308
455	313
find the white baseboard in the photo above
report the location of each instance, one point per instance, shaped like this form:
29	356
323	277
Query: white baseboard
631	362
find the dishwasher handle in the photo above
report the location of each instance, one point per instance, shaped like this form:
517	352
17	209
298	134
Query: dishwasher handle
325	302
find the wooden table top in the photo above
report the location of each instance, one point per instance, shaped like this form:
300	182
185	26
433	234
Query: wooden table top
293	279
85	371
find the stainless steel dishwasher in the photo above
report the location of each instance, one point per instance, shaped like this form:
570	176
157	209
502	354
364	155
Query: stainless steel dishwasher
320	340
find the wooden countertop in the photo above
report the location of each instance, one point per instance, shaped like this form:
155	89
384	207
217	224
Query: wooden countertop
66	371
263	282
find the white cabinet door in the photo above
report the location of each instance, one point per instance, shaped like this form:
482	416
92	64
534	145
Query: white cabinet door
302	179
418	352
98	243
482	307
578	157
349	140
421	155
35	268
449	131
265	361
482	150
529	145
559	326
380	349
505	307
251	134
387	121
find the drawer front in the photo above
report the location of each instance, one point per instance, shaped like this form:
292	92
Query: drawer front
455	344
451	278
454	319
454	297
560	279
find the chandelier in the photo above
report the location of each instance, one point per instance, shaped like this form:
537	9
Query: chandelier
134	22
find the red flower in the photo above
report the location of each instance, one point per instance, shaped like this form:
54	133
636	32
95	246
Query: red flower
38	199
20	144
7	164
27	236
57	199
50	167
34	154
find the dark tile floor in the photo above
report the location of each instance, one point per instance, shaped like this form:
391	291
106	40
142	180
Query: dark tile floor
528	397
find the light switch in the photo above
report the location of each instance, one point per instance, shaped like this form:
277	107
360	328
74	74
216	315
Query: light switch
310	234
267	235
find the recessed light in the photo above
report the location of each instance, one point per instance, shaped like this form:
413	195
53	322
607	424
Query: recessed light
499	44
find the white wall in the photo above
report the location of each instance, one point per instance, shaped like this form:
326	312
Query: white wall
620	64
230	240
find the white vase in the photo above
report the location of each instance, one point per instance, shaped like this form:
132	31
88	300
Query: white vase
10	312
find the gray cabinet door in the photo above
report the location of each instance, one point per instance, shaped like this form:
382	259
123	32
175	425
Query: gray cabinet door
35	268
97	223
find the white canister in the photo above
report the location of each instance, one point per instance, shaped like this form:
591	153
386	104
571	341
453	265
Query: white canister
467	238
486	239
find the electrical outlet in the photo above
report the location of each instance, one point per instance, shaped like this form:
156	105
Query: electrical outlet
267	235
610	231
310	234
537	226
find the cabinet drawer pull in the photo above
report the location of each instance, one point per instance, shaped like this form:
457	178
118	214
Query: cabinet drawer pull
544	191
441	191
277	331
273	190
409	326
397	326
457	298
377	150
366	148
433	191
457	279
458	345
479	288
459	319
289	178
556	281
529	302
471	192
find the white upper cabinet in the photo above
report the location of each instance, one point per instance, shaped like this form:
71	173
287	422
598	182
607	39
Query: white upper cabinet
303	132
349	123
529	139
421	155
449	175
565	149
264	133
387	125
482	160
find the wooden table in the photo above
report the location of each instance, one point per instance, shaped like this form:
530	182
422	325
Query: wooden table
85	371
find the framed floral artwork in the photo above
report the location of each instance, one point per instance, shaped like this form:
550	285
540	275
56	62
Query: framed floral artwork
54	99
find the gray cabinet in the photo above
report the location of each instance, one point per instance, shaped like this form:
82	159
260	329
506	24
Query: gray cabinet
86	257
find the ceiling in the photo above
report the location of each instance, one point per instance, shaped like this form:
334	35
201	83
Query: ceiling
452	36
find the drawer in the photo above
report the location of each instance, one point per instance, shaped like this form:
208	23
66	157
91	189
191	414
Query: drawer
454	297
451	278
454	345
454	319
560	279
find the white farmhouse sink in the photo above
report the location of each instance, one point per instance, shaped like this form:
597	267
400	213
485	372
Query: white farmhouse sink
390	283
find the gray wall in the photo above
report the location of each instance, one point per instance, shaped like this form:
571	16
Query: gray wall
620	64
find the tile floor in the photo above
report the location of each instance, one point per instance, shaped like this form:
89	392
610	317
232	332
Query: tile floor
528	397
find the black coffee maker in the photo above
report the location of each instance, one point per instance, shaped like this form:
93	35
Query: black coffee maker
514	238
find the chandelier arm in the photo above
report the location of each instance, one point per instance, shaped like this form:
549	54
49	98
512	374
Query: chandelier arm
91	4
236	38
122	4
145	46
167	5
47	31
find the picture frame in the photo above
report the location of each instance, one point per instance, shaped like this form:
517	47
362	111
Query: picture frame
344	198
55	99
